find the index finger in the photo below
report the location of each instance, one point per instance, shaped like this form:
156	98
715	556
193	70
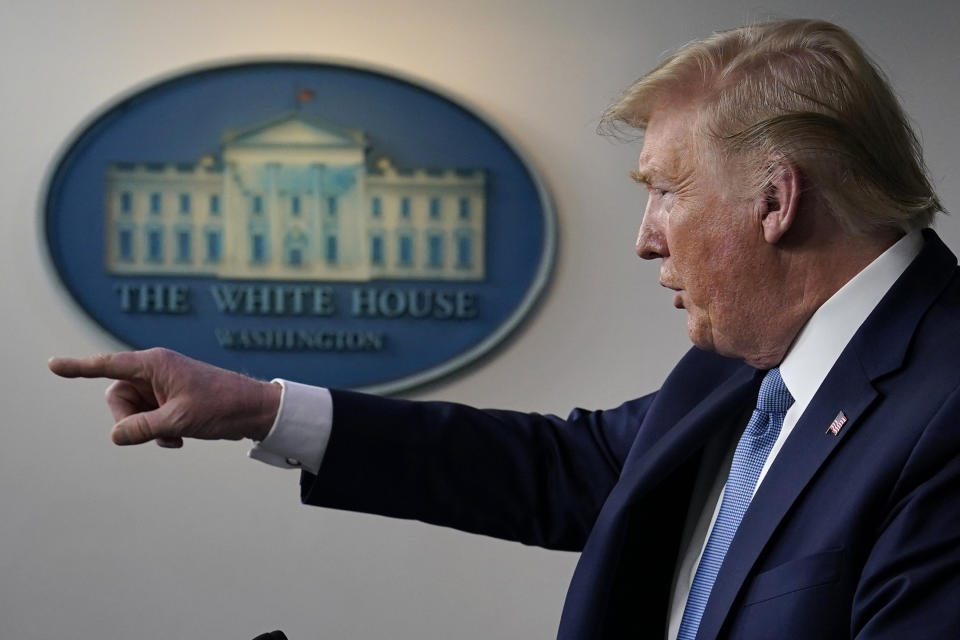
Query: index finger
119	366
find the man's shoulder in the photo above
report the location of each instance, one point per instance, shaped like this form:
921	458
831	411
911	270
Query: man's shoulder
932	360
934	344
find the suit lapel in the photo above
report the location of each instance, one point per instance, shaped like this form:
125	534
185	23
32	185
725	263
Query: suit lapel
849	388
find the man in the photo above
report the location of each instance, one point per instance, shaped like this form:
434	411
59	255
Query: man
797	475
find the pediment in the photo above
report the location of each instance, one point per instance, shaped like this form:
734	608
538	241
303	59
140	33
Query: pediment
296	131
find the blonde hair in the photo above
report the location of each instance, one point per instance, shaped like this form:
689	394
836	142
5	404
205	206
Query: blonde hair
803	90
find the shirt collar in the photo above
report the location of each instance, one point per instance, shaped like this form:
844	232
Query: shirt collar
830	328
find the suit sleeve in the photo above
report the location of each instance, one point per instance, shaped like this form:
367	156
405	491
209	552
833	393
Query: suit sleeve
537	479
910	584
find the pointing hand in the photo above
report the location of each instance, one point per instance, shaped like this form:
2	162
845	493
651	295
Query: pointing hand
165	396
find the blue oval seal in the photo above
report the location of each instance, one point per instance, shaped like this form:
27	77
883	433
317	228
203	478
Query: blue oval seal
315	221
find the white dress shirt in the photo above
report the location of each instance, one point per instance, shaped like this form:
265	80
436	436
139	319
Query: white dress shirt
299	435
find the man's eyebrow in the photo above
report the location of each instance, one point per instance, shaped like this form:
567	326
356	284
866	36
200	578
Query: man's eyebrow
647	175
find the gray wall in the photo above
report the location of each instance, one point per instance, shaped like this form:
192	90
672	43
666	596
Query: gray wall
102	542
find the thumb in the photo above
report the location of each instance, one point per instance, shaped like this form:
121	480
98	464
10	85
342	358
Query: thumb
140	427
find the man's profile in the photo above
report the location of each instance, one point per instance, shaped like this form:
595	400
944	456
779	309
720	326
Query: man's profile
796	476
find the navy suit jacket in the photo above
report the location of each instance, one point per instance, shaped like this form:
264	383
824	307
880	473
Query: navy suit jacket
854	535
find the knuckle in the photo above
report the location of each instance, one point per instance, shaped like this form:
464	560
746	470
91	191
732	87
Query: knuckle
142	428
155	352
156	359
100	359
178	420
163	356
112	390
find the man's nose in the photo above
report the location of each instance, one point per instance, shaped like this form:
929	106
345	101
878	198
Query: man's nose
651	243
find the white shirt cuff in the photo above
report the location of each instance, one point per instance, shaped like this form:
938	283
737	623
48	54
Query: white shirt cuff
301	430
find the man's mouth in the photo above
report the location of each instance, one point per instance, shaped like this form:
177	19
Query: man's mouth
666	284
678	297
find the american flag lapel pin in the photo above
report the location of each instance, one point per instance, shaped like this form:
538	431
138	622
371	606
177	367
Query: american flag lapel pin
837	423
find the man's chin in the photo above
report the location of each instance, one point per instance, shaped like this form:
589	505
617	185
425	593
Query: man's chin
700	333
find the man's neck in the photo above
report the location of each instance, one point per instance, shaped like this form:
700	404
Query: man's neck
812	273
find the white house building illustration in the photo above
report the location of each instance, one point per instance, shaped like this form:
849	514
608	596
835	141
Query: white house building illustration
293	199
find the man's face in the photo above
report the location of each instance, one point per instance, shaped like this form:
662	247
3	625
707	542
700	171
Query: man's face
707	235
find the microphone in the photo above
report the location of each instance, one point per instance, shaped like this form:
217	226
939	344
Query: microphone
272	635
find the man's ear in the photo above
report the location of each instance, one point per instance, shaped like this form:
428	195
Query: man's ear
781	199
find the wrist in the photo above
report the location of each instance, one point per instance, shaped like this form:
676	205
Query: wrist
267	410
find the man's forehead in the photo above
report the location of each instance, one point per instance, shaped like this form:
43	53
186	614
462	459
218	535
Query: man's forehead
661	161
667	145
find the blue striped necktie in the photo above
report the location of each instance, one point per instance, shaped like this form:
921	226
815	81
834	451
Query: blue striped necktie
751	454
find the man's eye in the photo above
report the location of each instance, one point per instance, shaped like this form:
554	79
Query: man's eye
654	191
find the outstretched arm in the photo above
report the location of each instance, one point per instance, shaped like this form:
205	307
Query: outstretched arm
162	395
